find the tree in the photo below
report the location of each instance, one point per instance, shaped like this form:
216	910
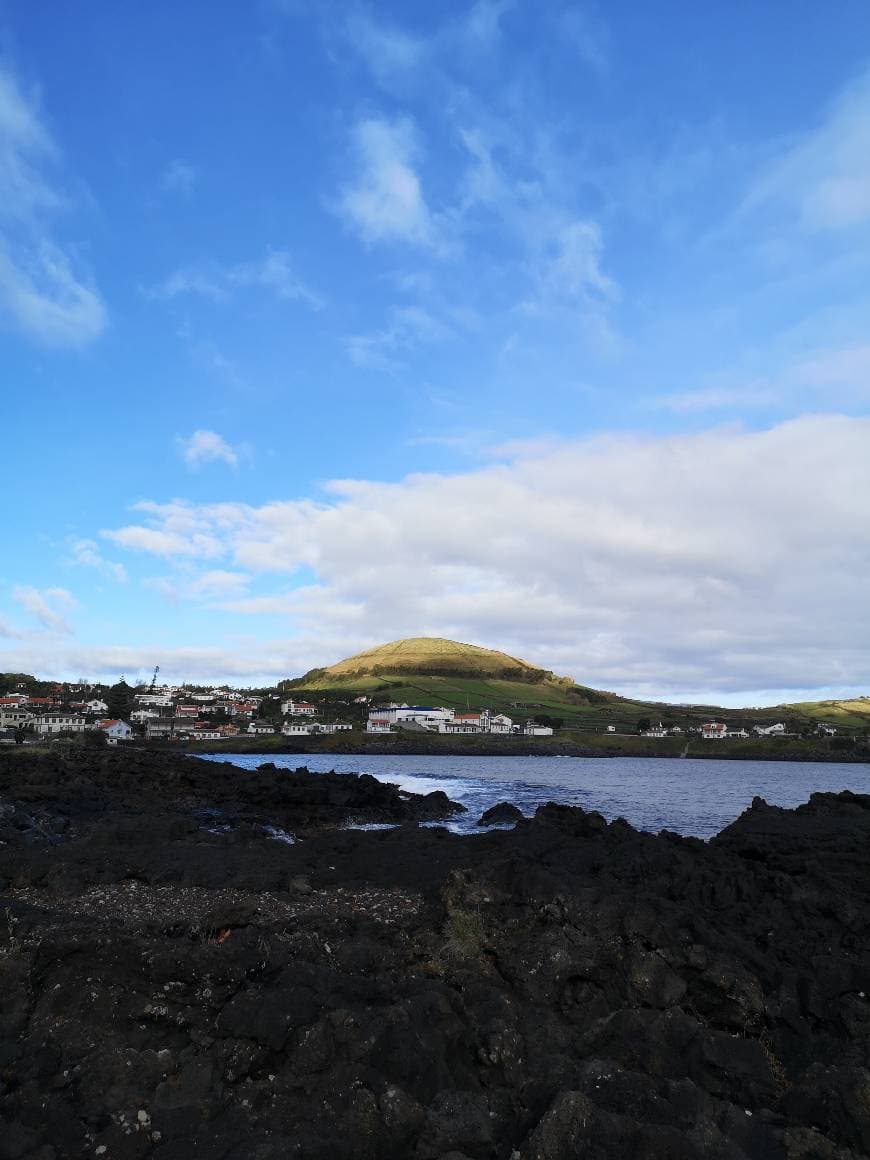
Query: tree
644	724
549	722
119	701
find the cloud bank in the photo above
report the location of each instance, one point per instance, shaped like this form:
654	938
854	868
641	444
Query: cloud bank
722	561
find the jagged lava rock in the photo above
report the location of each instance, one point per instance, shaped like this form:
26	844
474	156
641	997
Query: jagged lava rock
569	987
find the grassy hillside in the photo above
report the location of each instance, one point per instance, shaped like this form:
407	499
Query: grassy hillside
433	671
432	656
853	714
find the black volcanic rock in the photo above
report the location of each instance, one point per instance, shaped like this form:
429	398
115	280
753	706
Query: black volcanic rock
500	814
567	988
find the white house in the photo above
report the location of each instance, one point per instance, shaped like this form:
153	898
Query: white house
59	723
499	723
379	725
530	729
461	724
298	708
776	730
714	730
261	727
141	715
116	730
96	706
656	731
295	729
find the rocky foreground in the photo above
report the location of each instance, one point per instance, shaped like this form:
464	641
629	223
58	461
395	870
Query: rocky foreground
179	981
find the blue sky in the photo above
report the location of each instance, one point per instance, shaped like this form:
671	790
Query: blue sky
539	326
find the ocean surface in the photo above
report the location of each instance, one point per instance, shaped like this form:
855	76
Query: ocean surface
691	796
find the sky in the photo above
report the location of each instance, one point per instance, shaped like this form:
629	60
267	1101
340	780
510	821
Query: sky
542	327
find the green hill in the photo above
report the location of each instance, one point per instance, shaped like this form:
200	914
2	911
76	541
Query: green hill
853	713
435	671
434	656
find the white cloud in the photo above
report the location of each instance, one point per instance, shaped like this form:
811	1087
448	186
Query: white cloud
162	543
9	631
178	177
718	398
848	367
46	606
214	584
409	327
569	265
86	553
274	273
242	662
482	26
825	176
190	280
40	294
207	447
722	561
385	203
393	55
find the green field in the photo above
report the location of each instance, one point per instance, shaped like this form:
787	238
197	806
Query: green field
433	671
582	710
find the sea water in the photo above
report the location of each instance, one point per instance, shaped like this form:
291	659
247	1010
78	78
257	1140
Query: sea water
692	796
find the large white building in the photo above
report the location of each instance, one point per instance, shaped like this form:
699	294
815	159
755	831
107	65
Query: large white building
384	718
59	723
298	708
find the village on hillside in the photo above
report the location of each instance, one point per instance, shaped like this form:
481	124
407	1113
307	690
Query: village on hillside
185	713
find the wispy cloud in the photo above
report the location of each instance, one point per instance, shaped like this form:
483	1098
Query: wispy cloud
482	25
825	176
409	327
845	368
48	606
718	398
207	587
274	272
205	446
393	55
567	265
587	35
385	202
178	177
10	632
40	293
86	554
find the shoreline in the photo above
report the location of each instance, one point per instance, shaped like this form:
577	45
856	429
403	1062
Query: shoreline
415	745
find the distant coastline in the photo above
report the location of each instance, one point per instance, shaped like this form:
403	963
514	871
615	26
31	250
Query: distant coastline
568	745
